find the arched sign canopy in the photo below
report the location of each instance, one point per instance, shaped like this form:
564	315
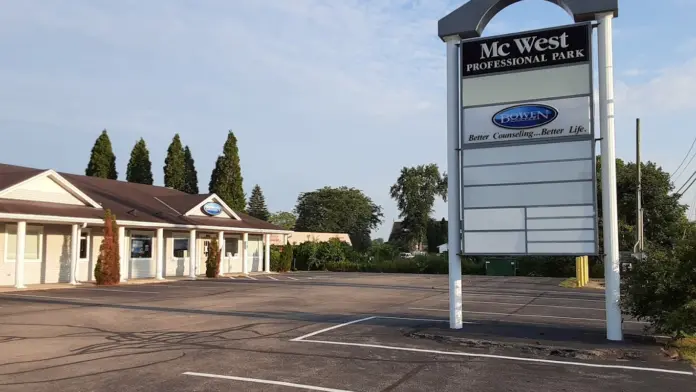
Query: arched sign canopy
469	20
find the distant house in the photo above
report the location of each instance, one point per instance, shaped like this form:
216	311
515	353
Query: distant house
298	237
442	248
398	234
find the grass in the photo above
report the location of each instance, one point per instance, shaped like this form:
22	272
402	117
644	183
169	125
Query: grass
570	283
687	349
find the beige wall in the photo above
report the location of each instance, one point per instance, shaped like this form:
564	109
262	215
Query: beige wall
298	237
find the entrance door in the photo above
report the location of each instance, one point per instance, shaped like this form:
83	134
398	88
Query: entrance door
204	255
255	253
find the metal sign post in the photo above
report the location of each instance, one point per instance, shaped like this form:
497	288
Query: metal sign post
521	145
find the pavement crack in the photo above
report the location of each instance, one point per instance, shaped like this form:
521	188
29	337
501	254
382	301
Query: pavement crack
404	378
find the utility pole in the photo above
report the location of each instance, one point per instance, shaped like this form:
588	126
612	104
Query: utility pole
638	248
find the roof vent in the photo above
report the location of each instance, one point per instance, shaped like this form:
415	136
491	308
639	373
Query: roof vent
133	212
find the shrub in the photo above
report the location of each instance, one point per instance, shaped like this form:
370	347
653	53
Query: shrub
212	263
662	289
276	257
107	271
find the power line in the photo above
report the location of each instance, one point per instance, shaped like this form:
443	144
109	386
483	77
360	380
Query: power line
687	186
684	160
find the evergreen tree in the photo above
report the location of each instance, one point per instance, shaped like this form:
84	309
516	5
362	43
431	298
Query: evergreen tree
191	173
102	161
257	204
139	166
175	165
226	179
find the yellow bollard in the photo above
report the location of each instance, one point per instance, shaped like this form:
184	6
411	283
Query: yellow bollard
586	268
578	271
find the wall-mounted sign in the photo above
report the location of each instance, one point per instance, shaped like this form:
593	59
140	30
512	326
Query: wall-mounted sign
212	209
534	49
541	119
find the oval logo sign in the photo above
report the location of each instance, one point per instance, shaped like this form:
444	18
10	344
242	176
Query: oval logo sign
212	209
525	116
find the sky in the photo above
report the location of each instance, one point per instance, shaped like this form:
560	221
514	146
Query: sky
318	92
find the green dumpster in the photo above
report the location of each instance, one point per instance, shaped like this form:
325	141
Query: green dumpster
501	267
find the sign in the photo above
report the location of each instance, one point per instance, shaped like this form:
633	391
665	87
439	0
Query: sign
543	119
212	209
534	49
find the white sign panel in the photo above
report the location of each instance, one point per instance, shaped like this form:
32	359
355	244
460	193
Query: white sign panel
543	119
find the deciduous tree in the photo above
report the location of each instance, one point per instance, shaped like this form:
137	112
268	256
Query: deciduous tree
415	191
226	179
102	161
139	165
283	219
191	173
175	165
339	210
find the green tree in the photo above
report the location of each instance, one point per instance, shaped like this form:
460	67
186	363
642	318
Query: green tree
284	219
191	173
415	191
102	161
664	218
139	165
212	262
226	179
107	270
436	234
175	165
257	204
339	210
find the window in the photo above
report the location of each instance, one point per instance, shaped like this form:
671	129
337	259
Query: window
32	243
141	246
84	245
232	246
181	247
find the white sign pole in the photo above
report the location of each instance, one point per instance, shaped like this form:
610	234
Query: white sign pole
608	145
453	182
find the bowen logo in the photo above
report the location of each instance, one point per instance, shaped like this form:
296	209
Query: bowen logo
212	209
525	116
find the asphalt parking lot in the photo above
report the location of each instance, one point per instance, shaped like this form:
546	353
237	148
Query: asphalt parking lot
323	332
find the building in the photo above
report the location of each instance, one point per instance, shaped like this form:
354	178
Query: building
51	226
298	237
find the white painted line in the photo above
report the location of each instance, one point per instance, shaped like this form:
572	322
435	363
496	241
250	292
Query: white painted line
309	335
525	305
270	277
521	359
291	278
269	382
125	291
231	277
251	277
528	315
416	319
46	296
532	296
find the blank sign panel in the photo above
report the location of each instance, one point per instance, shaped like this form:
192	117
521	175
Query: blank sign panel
494	242
562	248
528	153
561	235
553	224
529	195
528	172
494	219
551	212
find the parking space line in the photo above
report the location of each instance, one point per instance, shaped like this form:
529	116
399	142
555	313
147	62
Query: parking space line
251	277
528	315
526	305
309	335
503	357
272	278
291	278
231	277
269	382
532	296
121	290
46	296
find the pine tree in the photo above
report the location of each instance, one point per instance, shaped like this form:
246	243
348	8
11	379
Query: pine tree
257	204
226	179
175	165
191	173
102	161
139	166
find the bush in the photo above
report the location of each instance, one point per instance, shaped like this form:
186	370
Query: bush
212	263
107	271
281	258
662	289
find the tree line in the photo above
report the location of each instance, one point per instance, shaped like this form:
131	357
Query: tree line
180	172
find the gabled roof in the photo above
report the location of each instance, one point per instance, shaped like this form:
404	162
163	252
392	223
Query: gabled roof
57	179
128	201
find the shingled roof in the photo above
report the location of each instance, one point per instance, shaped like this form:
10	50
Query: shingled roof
128	201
